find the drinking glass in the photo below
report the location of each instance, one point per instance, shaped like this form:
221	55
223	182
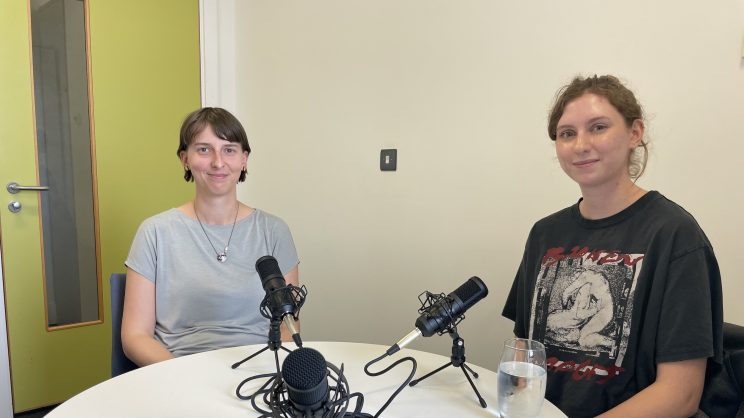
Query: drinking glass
522	378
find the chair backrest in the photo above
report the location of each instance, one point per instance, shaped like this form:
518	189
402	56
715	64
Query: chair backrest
120	363
723	394
733	343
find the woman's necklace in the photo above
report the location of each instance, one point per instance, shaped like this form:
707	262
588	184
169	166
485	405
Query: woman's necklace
221	257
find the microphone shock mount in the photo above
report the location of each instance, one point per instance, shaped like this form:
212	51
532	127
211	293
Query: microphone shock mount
430	302
290	292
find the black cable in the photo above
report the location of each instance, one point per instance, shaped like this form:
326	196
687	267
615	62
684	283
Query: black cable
385	370
340	389
258	376
343	386
358	410
273	393
264	390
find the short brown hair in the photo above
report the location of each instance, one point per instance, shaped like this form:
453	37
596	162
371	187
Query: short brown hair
223	124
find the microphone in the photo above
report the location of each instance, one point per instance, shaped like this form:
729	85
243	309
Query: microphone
305	373
306	378
280	298
444	311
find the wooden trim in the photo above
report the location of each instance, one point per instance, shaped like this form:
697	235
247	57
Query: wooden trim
94	177
94	191
75	325
93	163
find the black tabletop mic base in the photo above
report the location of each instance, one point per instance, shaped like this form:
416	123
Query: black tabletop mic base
274	344
457	360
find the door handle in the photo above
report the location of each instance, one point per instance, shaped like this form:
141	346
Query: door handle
14	188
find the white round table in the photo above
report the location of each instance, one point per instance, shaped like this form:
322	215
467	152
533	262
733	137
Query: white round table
203	385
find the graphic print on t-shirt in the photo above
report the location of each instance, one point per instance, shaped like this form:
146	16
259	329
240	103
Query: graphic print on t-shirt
583	304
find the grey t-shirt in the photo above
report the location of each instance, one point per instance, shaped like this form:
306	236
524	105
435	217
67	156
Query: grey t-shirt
202	304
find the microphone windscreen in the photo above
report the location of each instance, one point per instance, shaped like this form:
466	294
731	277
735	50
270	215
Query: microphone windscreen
305	373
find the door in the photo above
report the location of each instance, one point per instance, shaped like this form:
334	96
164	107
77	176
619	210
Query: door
59	246
48	217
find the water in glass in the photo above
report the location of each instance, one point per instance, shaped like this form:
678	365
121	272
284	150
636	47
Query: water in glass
522	378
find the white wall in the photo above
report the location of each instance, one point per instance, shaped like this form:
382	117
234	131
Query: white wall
462	89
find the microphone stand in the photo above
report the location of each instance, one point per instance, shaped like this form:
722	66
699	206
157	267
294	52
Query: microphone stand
275	315
457	360
288	295
274	344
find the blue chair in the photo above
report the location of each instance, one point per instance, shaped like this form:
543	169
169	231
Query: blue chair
120	363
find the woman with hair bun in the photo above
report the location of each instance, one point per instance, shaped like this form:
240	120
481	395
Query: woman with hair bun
623	287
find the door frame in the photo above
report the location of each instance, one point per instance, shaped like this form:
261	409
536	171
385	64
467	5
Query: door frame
217	53
6	396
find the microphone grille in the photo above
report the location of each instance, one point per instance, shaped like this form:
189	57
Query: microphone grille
267	266
304	368
471	291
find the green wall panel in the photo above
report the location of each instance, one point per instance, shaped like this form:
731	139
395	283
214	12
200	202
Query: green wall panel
145	79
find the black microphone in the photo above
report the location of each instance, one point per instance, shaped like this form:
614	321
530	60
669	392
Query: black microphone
279	297
305	375
444	311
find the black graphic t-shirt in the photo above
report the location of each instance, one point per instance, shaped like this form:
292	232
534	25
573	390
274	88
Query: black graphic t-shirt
611	298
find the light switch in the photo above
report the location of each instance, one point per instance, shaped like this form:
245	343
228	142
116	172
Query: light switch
388	159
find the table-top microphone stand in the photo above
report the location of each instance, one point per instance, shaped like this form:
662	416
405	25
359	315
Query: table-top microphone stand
457	360
274	344
276	306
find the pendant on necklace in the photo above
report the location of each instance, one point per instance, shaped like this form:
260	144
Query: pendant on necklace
222	257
